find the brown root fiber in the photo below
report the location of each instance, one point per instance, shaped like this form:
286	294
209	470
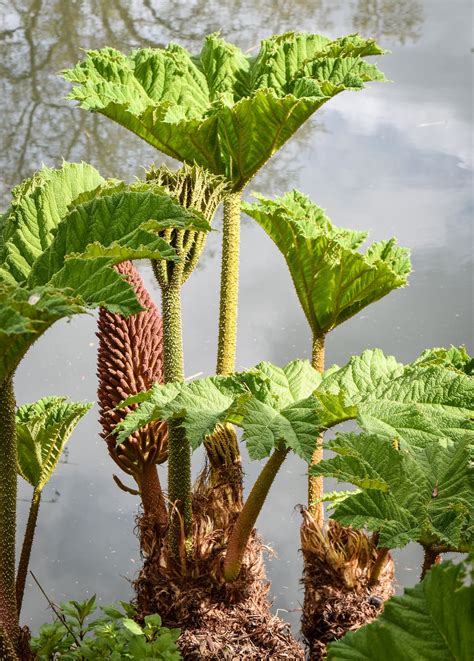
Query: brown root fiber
218	620
338	597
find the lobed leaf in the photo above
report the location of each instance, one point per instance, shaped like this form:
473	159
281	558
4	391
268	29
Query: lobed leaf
222	109
332	279
43	429
439	511
38	206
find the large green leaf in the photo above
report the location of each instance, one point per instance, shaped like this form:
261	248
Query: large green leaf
43	429
272	405
222	109
414	403
281	409
199	404
333	280
57	262
119	225
291	405
430	622
24	315
437	511
38	205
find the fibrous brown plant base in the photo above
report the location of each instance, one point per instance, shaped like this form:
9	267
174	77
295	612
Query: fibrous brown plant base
338	598
218	620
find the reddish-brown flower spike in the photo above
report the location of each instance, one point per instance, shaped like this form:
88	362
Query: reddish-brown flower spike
130	359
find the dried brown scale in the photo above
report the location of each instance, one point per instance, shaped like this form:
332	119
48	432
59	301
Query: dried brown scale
130	359
219	620
337	565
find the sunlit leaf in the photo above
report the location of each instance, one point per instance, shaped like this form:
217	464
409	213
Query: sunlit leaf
38	205
222	109
43	429
333	280
437	511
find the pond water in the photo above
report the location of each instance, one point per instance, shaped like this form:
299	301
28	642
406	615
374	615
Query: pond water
394	159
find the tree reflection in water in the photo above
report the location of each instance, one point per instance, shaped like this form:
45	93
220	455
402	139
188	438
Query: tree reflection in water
41	37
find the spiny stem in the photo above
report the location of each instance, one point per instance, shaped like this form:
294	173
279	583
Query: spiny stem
315	484
229	285
8	489
26	548
172	334
378	565
431	557
246	520
7	652
179	451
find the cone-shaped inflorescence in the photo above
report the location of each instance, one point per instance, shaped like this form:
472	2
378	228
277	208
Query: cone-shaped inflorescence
130	359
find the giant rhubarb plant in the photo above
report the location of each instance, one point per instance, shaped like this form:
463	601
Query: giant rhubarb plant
226	111
384	465
43	429
334	280
40	285
284	409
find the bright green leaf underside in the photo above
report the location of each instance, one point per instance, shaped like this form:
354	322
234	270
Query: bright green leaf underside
59	240
43	429
222	109
333	280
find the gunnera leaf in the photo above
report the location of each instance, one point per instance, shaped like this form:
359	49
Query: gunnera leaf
222	109
43	428
333	280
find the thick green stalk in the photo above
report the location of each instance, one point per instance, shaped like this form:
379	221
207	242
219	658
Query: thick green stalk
378	565
8	487
315	484
26	548
246	520
173	362
179	457
229	285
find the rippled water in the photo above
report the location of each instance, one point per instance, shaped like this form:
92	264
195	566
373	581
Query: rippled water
394	159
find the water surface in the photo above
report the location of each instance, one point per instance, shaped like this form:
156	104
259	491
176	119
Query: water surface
395	159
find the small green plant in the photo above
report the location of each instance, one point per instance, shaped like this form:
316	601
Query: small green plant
42	429
114	636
